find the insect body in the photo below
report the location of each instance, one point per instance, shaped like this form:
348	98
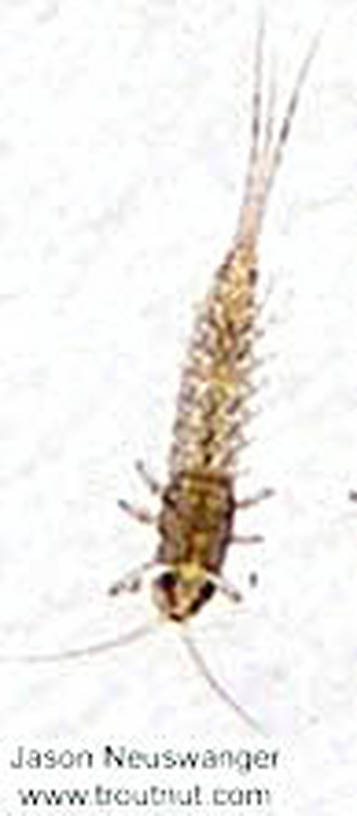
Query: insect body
198	506
195	522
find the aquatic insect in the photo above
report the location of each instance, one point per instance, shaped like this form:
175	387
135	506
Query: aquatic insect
198	504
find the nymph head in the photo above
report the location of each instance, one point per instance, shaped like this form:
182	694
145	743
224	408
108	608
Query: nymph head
180	591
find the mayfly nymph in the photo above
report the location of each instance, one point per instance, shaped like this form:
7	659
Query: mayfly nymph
198	504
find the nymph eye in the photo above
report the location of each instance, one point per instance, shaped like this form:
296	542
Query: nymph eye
207	590
167	580
205	593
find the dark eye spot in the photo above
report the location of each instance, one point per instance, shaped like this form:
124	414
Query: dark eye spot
166	581
205	594
207	591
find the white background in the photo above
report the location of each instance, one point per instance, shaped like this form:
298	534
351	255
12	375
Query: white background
124	132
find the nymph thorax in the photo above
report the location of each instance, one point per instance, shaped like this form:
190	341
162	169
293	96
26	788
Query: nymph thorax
195	525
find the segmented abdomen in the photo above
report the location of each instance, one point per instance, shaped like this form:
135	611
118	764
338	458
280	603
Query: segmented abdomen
209	428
